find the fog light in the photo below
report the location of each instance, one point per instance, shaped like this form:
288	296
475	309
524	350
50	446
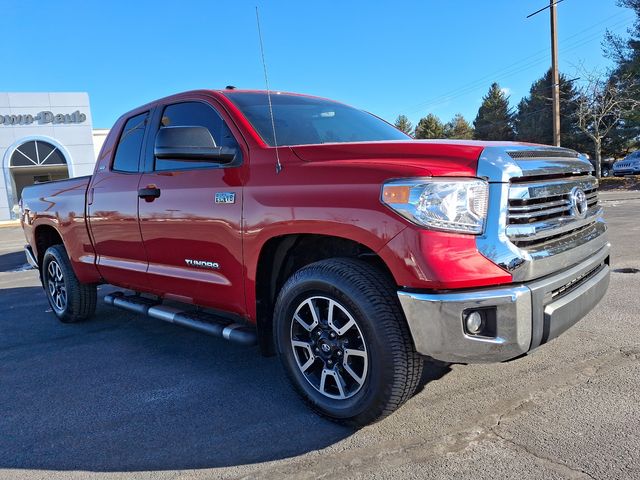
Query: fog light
474	323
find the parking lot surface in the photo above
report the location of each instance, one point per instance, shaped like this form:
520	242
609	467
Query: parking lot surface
123	396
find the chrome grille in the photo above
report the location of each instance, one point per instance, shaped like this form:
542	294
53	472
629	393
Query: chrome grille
541	211
534	226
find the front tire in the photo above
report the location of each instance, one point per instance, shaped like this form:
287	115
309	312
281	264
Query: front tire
69	299
344	342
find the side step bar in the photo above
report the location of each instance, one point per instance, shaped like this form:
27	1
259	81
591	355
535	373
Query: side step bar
196	320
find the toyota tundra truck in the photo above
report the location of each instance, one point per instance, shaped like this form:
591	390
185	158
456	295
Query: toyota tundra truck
324	235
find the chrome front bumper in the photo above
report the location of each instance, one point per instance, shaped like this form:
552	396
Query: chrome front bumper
526	315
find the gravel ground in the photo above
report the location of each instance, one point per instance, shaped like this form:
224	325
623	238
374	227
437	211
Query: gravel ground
124	396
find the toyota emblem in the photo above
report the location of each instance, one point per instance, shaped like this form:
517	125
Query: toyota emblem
578	202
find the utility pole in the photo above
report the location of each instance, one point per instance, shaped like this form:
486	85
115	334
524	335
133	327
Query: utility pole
555	75
555	88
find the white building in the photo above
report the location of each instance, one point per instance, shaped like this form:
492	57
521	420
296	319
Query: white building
44	136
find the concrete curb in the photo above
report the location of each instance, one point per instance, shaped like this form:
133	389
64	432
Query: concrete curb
9	223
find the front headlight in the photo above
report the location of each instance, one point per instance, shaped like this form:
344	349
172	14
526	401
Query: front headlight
451	204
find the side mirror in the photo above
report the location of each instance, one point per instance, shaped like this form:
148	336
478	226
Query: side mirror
190	143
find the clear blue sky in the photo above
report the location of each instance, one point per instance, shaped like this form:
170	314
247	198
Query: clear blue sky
392	57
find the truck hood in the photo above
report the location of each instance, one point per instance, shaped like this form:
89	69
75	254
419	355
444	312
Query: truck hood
441	157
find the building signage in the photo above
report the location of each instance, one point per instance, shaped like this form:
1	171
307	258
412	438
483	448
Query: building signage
43	118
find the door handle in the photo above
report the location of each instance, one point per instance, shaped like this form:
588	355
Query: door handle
149	193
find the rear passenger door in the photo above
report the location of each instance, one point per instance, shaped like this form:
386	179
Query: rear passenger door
192	229
112	209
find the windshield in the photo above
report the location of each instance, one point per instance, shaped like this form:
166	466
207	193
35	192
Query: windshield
303	120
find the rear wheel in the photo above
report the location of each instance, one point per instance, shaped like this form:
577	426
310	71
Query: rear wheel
344	342
69	299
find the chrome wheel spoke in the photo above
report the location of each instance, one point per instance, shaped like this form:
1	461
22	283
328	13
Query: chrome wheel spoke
58	301
314	314
352	352
52	270
63	296
306	326
331	321
349	352
58	273
339	382
310	356
326	373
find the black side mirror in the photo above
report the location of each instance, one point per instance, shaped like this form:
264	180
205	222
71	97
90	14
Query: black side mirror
190	143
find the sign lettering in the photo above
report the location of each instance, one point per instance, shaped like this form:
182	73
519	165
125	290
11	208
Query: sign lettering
43	118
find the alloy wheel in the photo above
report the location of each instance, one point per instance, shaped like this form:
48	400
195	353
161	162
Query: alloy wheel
56	287
329	347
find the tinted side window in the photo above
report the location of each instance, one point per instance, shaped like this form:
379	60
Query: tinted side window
195	114
128	152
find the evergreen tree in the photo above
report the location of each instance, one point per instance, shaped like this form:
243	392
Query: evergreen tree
403	124
494	120
430	127
458	128
534	120
626	54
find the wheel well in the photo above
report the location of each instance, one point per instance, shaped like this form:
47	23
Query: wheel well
282	256
46	237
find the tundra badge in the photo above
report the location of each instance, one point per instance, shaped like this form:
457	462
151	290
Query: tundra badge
202	264
225	197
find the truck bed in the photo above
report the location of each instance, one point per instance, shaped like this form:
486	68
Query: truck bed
59	206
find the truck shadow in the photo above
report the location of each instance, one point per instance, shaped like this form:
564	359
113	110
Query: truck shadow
127	393
13	261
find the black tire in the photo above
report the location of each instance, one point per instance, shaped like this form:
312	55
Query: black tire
387	363
605	172
69	299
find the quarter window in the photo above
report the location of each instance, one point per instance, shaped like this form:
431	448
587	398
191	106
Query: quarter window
127	156
195	114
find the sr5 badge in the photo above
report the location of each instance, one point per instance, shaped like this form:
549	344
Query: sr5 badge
225	197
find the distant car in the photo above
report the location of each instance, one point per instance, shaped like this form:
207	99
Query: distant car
606	165
606	168
629	165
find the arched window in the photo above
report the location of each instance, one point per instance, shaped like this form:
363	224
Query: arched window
37	153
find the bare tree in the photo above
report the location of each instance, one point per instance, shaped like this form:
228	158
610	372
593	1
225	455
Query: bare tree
603	102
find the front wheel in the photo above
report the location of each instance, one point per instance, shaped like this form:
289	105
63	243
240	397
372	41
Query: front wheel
69	299
344	343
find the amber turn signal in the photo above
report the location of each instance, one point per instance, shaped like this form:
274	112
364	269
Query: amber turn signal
396	193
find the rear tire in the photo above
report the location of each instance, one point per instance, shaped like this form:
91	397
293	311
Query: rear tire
353	361
69	299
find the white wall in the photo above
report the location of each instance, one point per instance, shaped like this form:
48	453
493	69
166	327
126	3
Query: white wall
99	136
75	138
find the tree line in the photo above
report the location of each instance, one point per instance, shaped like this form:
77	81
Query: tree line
599	111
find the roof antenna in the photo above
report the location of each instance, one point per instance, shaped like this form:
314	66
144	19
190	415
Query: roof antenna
266	81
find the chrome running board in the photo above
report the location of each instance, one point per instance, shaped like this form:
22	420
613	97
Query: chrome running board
200	321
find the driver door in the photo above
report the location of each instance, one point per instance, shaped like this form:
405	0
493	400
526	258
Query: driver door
192	228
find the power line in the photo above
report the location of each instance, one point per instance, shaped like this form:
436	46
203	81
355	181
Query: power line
511	71
544	8
535	54
521	65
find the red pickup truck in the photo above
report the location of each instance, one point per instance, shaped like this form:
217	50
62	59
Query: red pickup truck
323	234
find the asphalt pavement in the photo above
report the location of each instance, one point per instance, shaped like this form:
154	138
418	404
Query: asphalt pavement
124	396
